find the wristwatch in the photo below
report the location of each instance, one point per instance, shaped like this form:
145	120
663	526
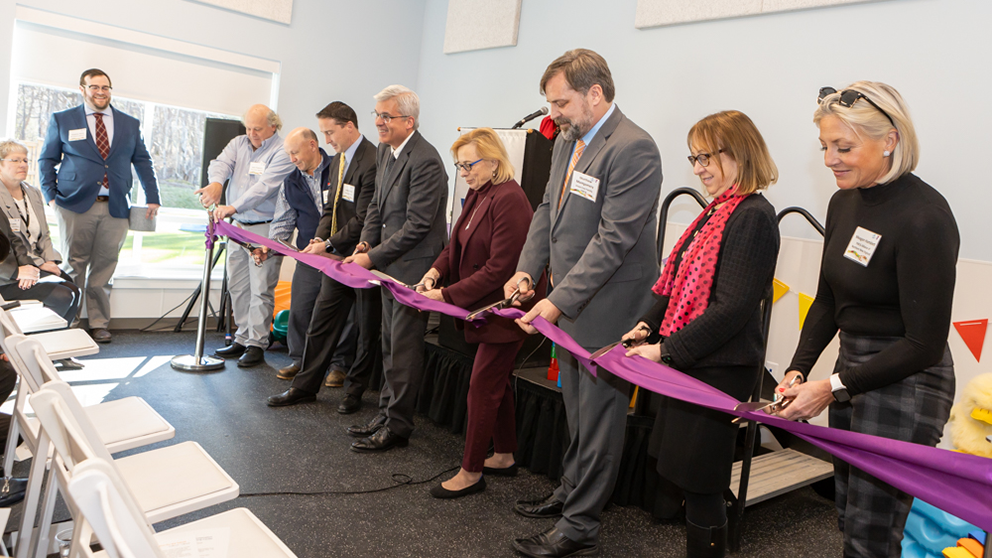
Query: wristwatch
666	357
327	246
838	389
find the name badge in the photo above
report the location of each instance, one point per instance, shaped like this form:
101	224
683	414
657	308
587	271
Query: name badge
15	225
862	246
326	194
348	193
76	135
585	186
256	168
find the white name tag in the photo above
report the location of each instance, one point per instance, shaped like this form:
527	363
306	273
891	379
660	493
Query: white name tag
348	193
326	194
862	246
76	135
585	186
15	225
256	168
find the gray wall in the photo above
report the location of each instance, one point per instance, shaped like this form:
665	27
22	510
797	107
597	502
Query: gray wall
372	43
936	52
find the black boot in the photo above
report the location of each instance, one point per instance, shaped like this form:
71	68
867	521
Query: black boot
705	542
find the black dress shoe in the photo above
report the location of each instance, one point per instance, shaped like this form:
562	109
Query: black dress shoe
252	357
369	428
443	493
553	544
510	471
234	350
291	396
384	439
350	404
12	491
549	506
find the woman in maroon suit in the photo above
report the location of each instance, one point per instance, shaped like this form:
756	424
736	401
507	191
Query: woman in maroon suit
481	257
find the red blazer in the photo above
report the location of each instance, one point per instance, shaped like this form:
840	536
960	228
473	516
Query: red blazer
497	220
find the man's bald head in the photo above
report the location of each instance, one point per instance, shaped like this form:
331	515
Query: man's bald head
261	123
303	150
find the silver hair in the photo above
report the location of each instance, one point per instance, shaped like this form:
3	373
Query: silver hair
407	101
271	118
7	146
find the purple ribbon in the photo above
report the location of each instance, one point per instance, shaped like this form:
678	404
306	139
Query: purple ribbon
958	483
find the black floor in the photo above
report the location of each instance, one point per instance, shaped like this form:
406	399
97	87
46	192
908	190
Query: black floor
273	452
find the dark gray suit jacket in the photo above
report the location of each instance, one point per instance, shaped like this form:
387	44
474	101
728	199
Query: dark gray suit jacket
405	224
46	251
601	253
351	214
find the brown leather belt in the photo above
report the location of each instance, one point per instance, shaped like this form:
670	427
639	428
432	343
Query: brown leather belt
102	198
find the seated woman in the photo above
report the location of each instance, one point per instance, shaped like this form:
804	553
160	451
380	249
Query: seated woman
482	256
37	275
708	319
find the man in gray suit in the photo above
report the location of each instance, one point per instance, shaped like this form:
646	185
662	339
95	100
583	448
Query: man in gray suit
403	234
595	230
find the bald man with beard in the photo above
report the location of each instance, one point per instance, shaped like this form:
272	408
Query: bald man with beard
256	165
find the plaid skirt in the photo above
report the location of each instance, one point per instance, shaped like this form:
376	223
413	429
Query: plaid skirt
872	514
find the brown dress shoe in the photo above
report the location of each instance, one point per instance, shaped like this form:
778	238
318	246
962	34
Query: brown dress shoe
289	372
101	335
335	379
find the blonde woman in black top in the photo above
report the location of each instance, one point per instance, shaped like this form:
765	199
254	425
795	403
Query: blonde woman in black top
886	283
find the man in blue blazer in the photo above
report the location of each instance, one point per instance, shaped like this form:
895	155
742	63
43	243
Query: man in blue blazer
93	146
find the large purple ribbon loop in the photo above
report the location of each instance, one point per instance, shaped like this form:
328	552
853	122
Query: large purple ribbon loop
957	483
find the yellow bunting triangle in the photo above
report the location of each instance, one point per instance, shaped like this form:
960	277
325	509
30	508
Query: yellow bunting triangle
779	288
805	301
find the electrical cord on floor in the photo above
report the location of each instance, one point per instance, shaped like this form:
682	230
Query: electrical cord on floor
162	317
516	377
399	478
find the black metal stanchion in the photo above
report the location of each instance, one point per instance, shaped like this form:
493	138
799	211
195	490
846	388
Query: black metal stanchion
196	362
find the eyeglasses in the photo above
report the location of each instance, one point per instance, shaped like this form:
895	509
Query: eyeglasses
847	99
95	88
467	167
16	161
387	117
703	158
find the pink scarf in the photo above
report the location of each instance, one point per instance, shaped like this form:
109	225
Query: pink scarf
689	289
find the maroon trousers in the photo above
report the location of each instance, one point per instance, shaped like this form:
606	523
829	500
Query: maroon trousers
491	413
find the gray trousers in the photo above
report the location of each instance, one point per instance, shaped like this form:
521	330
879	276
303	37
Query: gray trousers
403	330
597	420
252	291
91	243
305	288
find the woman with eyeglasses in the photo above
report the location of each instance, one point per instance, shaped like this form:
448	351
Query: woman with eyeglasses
37	275
707	321
482	255
886	283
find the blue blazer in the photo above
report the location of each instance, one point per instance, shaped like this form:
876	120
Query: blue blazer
77	181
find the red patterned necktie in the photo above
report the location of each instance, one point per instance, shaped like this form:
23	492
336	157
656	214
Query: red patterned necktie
102	142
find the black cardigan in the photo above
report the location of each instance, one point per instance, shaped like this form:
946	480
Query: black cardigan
728	333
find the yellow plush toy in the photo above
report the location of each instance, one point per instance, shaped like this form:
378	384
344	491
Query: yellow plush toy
971	418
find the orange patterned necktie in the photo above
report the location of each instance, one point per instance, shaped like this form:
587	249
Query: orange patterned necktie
102	142
580	146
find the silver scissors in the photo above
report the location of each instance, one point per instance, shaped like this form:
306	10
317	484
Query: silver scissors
776	405
505	303
382	275
627	343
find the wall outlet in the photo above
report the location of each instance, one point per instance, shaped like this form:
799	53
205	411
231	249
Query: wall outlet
774	369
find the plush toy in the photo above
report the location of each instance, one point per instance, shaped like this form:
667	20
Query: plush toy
971	418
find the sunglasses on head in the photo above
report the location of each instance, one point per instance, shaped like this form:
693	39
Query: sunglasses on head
847	99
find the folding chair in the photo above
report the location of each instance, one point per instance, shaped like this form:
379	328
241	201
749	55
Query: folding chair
108	510
66	343
165	482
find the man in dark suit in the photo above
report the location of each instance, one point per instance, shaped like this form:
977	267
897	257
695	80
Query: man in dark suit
96	145
596	231
351	184
403	234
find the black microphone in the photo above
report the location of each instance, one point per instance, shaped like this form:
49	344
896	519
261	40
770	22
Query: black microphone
531	116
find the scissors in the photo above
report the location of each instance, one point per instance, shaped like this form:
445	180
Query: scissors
382	275
247	246
627	343
505	303
775	406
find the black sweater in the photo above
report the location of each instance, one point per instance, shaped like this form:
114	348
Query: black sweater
904	291
728	333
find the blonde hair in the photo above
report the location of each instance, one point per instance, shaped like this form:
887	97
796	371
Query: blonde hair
8	146
488	146
732	132
866	119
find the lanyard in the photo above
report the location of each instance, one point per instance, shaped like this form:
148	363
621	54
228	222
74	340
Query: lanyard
26	215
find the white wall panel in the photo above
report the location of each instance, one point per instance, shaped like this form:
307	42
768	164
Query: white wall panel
276	10
479	24
656	13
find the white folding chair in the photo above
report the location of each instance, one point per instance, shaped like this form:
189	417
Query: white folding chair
121	424
108	510
66	343
165	482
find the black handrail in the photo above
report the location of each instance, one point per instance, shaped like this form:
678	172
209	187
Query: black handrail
663	217
752	427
